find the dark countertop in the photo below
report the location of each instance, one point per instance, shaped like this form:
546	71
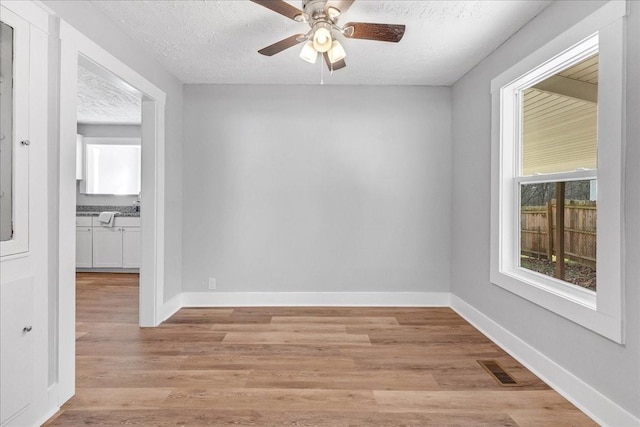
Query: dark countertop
83	210
128	214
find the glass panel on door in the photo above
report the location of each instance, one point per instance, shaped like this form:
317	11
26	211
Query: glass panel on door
6	132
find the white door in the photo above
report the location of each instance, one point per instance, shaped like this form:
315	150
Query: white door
16	305
107	247
22	254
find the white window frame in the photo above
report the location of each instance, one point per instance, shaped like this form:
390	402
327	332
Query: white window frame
601	312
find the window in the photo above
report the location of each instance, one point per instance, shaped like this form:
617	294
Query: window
557	176
112	167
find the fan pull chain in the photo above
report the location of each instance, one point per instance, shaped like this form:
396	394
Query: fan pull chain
322	71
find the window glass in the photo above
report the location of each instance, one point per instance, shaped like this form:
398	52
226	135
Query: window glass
539	232
560	135
560	121
6	132
112	169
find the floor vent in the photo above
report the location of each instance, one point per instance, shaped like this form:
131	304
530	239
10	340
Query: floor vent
498	373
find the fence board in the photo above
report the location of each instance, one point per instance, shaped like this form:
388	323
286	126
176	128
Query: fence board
537	240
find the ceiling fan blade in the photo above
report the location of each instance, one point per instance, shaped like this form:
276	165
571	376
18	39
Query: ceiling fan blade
281	7
335	66
278	47
378	32
339	65
341	5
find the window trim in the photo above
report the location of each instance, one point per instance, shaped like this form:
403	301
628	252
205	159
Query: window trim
600	312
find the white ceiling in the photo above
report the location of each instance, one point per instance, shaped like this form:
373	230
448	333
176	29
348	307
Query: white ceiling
106	100
209	41
216	41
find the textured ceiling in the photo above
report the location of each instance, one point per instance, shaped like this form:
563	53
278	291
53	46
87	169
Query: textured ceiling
209	41
100	101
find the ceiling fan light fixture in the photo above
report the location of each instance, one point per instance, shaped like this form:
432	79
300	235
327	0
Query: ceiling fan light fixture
302	17
322	18
309	53
333	12
322	39
337	52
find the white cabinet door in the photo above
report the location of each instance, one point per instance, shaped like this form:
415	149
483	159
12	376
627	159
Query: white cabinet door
84	247
131	248
14	128
107	247
16	352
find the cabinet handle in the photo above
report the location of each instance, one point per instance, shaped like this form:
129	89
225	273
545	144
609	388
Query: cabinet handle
27	329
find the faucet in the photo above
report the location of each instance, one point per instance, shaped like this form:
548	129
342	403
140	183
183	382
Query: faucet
136	204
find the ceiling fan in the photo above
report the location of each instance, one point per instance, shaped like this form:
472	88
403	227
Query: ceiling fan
322	16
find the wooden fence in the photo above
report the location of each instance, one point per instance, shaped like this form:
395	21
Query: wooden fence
579	231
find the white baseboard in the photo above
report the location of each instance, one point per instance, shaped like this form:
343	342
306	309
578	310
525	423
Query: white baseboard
47	416
344	299
53	406
169	308
593	403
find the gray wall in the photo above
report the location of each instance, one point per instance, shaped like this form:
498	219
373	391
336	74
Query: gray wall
317	188
109	131
610	368
90	21
106	131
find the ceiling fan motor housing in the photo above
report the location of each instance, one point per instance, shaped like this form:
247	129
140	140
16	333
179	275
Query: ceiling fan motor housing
316	11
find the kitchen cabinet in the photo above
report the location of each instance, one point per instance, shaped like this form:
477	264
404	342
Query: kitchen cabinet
24	95
131	247
107	247
16	352
84	242
100	246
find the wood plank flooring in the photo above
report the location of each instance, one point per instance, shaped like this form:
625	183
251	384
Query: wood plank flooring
317	366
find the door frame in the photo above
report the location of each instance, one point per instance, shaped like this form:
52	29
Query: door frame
75	46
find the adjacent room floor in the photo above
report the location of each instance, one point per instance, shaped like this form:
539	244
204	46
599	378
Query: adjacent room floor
292	366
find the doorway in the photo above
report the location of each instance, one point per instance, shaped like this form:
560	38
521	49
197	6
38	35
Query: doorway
75	48
108	172
108	183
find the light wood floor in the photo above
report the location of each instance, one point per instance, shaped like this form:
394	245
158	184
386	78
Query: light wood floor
292	366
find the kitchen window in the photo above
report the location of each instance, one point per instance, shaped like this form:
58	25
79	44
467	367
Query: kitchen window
113	166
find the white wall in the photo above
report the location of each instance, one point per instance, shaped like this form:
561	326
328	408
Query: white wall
317	188
612	369
106	131
109	131
90	21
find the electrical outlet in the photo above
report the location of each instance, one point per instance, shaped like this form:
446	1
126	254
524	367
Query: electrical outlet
212	283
